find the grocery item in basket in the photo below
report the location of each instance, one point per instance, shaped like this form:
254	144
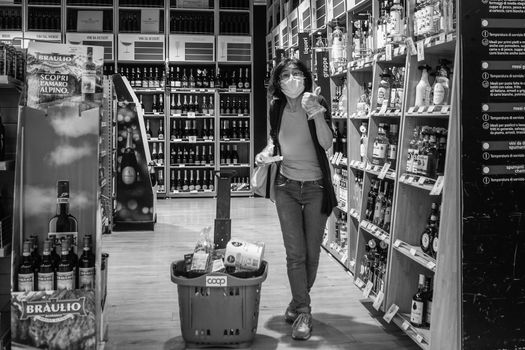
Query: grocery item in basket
200	262
244	255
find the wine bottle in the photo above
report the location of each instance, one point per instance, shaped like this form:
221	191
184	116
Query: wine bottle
198	182
192	182
148	130
234	155
129	162
178	184
63	221
423	88
26	270
186	183
46	270
161	131
211	181
204	180
86	266
65	272
379	152
417	312
428	298
178	106
246	80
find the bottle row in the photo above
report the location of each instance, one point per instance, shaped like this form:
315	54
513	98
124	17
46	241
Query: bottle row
421	308
239	184
58	267
373	265
10	18
379	204
426	151
430	237
72	20
201	129
193	155
43	19
384	146
130	21
12	62
197	180
223	4
437	93
187	77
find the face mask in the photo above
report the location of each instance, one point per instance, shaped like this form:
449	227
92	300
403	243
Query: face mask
292	87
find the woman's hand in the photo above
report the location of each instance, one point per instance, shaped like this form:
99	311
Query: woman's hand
260	159
310	103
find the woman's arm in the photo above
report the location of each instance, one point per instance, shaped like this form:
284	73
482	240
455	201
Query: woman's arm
324	133
265	153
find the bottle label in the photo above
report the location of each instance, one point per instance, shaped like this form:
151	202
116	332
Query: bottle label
429	312
416	314
65	280
86	278
379	151
26	282
425	241
409	162
392	150
435	244
381	96
439	94
46	281
422	162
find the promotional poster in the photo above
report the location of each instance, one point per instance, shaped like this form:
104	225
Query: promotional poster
58	172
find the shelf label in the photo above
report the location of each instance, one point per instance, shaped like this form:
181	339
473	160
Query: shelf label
419	338
364	224
379	300
402	178
352	263
413	251
383	171
397	243
411	46
325	240
405	325
192	139
445	108
368	166
99	39
422	180
47	36
392	311
191	115
368	289
431	265
431	108
388	50
441	38
344	258
383	109
359	283
141	47
420	51
438	186
409	180
411	110
421	109
191	48
450	37
182	165
234	48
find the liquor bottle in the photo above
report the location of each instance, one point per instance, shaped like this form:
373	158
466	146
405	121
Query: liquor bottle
178	106
428	298
211	107
210	159
441	88
160	181
240	80
423	88
387	221
35	256
46	270
184	79
172	180
66	272
191	186
26	270
211	181
185	108
160	156
363	141
222	155
198	182
441	152
371	201
154	104
129	162
246	79
178	183
186	183
379	210
234	155
160	106
392	145
246	130
211	135
2	140
417	311
86	266
383	92
204	180
411	152
430	231
396	22
154	155
435	240
191	79
161	131
63	221
379	153
89	77
55	257
148	130
177	83
344	147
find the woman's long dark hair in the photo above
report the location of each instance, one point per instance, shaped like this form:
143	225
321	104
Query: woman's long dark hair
274	87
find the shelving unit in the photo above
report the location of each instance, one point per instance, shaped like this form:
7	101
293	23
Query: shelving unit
412	194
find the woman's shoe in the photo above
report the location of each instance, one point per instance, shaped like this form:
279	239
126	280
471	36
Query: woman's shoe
302	327
290	315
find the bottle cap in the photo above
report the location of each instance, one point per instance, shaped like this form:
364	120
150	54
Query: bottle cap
63	189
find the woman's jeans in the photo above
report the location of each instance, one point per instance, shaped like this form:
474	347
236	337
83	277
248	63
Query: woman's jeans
302	224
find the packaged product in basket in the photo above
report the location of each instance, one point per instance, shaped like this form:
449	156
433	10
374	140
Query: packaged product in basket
202	252
244	255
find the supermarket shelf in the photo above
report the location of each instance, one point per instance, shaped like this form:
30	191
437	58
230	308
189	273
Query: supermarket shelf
336	252
192	90
375	231
422	182
386	112
356	116
7	165
398	54
361	65
188	141
376	170
153	115
235	116
241	193
235	140
440	43
355	164
339	75
194	193
240	165
415	254
154	139
191	116
234	91
90	7
343	209
191	166
344	116
9	82
159	166
420	335
354	214
148	90
434	111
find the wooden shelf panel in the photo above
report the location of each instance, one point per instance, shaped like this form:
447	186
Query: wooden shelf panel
386	112
354	214
420	335
191	166
436	111
375	231
422	182
416	254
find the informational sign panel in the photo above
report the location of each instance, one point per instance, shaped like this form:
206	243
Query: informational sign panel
305	49
323	73
44	36
141	47
104	40
234	48
189	48
90	21
493	173
11	38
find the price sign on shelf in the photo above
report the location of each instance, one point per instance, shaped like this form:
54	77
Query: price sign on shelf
409	180
438	186
191	114
422	180
411	46
419	338
420	51
344	258
431	265
383	171
388	50
431	108
359	283
405	325
397	243
413	251
379	300
368	289
192	139
325	240
392	311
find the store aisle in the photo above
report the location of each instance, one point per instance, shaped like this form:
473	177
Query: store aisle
142	303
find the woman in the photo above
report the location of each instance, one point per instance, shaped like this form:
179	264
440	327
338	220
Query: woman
300	130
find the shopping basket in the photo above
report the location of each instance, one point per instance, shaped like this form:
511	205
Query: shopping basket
218	309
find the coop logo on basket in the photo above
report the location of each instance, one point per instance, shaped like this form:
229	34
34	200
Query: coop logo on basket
216	281
53	310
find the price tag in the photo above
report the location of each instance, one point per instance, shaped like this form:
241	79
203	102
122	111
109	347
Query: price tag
344	258
411	46
411	110
232	89
182	165
339	158
419	338
368	289
441	38
352	263
352	162
376	168
427	40
421	109
402	178
368	166
176	115
192	139
383	109
383	171
402	50
376	57
364	224
193	90
431	265
431	108
361	165
450	37
359	283
191	114
379	300
360	64
397	243
445	108
413	251
193	191
420	51
208	190
409	179
438	186
392	311
388	49
405	325
422	180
